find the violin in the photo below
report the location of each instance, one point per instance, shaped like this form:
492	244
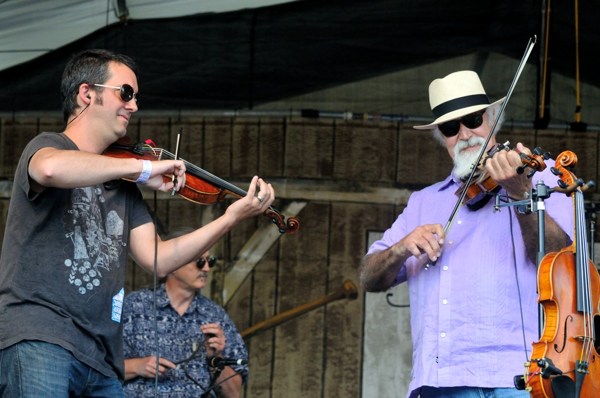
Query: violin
200	187
482	185
565	362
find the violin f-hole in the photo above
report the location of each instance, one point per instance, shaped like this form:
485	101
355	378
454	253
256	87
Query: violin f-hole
565	327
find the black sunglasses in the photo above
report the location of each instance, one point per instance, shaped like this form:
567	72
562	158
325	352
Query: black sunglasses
211	260
125	91
471	121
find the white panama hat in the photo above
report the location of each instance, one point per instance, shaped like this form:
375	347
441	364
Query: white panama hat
454	96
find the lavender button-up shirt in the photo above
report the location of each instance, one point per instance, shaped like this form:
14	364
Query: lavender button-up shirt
465	311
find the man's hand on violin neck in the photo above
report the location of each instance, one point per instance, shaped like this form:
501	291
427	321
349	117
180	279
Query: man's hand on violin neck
502	168
258	198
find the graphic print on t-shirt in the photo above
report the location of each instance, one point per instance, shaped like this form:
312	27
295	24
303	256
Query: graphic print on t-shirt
96	239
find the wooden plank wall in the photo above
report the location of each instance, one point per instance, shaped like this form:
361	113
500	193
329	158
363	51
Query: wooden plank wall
335	162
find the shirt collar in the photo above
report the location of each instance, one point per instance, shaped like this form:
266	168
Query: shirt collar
162	298
449	181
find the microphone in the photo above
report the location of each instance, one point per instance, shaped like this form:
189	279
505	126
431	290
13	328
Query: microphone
219	363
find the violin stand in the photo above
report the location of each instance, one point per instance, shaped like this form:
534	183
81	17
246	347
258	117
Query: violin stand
535	203
562	385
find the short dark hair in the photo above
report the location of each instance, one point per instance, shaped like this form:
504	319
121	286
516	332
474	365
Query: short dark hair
88	66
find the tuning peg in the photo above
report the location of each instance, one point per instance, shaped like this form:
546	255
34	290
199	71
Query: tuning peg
556	171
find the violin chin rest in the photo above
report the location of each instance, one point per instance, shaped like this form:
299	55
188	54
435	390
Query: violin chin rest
563	387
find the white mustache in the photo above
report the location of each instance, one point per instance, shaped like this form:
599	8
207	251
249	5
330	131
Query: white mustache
463	162
463	144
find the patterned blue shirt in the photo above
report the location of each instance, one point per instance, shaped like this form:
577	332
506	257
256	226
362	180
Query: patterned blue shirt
178	336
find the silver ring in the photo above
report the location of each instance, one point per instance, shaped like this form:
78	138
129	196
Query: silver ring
260	200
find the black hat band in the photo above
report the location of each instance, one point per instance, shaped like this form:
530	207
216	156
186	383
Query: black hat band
460	103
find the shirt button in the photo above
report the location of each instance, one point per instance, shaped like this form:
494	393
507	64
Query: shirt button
444	301
450	242
459	222
445	268
443	334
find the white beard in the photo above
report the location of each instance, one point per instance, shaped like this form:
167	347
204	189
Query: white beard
464	161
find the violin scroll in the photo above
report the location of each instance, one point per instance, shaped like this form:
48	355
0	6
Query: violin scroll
290	226
568	182
535	161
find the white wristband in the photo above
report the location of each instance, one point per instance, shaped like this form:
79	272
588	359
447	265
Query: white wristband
146	171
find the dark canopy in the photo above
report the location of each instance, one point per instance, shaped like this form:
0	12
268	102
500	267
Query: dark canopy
242	59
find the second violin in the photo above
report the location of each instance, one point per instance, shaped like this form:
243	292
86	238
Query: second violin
565	362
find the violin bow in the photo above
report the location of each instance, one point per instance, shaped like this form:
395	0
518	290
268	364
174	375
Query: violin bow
174	179
463	193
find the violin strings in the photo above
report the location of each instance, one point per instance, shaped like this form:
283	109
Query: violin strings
278	219
584	282
204	174
586	270
148	147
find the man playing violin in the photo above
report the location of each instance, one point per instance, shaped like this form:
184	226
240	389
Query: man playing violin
69	234
472	287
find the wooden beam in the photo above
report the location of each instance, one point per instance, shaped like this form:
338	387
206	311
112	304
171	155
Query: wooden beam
253	251
5	189
313	191
346	191
305	191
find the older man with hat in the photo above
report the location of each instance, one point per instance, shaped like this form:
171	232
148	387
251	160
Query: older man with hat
473	300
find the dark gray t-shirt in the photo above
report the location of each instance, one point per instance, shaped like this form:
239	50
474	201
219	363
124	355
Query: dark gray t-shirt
63	263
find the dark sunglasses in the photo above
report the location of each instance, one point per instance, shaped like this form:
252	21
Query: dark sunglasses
470	121
125	91
211	260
